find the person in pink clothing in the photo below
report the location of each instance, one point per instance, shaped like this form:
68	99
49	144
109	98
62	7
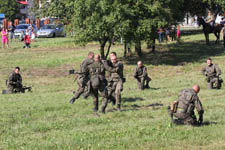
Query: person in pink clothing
178	33
5	39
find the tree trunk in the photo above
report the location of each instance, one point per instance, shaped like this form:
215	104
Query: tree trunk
138	48
125	49
102	51
153	45
102	48
108	50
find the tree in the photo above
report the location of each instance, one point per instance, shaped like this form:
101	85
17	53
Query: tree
135	21
199	7
95	20
142	18
10	8
61	9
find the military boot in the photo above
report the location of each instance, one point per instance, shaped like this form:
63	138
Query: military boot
210	85
103	110
72	100
118	107
95	105
147	86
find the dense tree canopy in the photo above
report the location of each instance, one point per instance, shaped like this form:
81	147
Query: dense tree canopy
10	8
135	21
62	9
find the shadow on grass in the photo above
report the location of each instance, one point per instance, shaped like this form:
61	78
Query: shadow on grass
207	123
135	107
132	99
178	54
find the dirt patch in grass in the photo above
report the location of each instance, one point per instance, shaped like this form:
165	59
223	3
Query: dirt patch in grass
55	72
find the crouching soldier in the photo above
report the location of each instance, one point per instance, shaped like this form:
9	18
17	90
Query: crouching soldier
212	73
14	82
182	111
141	75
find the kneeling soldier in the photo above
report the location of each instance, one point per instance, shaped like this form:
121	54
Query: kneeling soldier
212	73
182	111
14	82
141	75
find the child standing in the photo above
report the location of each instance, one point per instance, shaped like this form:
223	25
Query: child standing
33	36
5	39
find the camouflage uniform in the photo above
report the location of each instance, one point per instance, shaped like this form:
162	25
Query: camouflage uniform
98	84
212	73
83	79
141	75
184	112
115	81
14	83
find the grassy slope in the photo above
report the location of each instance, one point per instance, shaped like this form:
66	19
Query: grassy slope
45	120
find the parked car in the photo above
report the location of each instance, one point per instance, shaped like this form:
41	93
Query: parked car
51	30
23	27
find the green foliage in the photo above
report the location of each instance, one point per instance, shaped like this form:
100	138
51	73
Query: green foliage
199	7
61	9
104	20
10	8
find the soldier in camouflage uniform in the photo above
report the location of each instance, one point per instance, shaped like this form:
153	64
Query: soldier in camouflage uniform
14	82
212	73
183	109
141	75
116	79
97	82
83	78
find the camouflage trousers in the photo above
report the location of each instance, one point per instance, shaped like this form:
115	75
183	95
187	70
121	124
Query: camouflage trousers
14	89
143	82
114	92
190	120
103	93
82	83
213	81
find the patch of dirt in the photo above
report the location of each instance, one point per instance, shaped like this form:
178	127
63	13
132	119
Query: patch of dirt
51	72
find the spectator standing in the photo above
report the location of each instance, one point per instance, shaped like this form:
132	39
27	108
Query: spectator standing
178	33
33	36
22	35
5	39
167	31
223	31
160	32
30	29
11	31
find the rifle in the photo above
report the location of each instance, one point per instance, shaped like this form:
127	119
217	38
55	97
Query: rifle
76	73
24	88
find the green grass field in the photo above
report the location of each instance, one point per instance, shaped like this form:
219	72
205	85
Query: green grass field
44	119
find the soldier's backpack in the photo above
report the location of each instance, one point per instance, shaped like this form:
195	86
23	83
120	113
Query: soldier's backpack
185	101
95	81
